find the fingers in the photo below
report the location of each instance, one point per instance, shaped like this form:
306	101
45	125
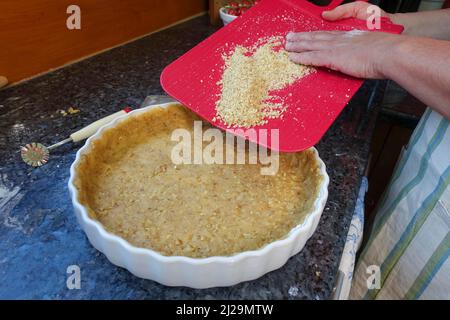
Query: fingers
312	41
356	9
313	48
317	35
307	45
312	58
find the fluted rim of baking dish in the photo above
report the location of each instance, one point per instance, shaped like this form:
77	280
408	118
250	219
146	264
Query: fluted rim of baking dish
307	224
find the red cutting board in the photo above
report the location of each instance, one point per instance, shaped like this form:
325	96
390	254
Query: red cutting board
313	102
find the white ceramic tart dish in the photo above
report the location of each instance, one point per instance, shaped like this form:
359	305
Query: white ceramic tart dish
177	270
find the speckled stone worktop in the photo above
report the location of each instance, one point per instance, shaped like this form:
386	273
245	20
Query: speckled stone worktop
39	234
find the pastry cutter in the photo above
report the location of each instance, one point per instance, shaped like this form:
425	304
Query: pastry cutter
312	102
36	154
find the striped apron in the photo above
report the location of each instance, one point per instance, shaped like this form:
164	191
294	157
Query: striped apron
407	255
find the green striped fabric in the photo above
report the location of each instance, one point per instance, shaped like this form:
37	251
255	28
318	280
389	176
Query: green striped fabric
411	230
435	141
410	242
427	273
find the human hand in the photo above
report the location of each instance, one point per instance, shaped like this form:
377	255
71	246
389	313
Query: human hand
357	53
357	9
432	24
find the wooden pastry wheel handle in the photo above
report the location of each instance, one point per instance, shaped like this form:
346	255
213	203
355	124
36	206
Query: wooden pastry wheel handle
89	130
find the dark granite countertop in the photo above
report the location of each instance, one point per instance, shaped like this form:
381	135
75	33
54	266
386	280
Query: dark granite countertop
39	234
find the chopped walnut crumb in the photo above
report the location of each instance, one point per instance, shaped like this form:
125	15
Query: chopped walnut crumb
250	77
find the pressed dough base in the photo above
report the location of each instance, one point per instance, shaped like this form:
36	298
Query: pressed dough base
129	184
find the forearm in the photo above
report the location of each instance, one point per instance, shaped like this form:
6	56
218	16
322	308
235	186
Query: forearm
433	24
422	67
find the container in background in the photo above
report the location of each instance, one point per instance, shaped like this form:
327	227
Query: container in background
226	18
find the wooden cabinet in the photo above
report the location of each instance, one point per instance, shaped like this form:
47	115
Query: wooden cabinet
34	37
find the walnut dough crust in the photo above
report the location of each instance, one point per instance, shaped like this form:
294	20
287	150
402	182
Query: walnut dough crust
129	184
